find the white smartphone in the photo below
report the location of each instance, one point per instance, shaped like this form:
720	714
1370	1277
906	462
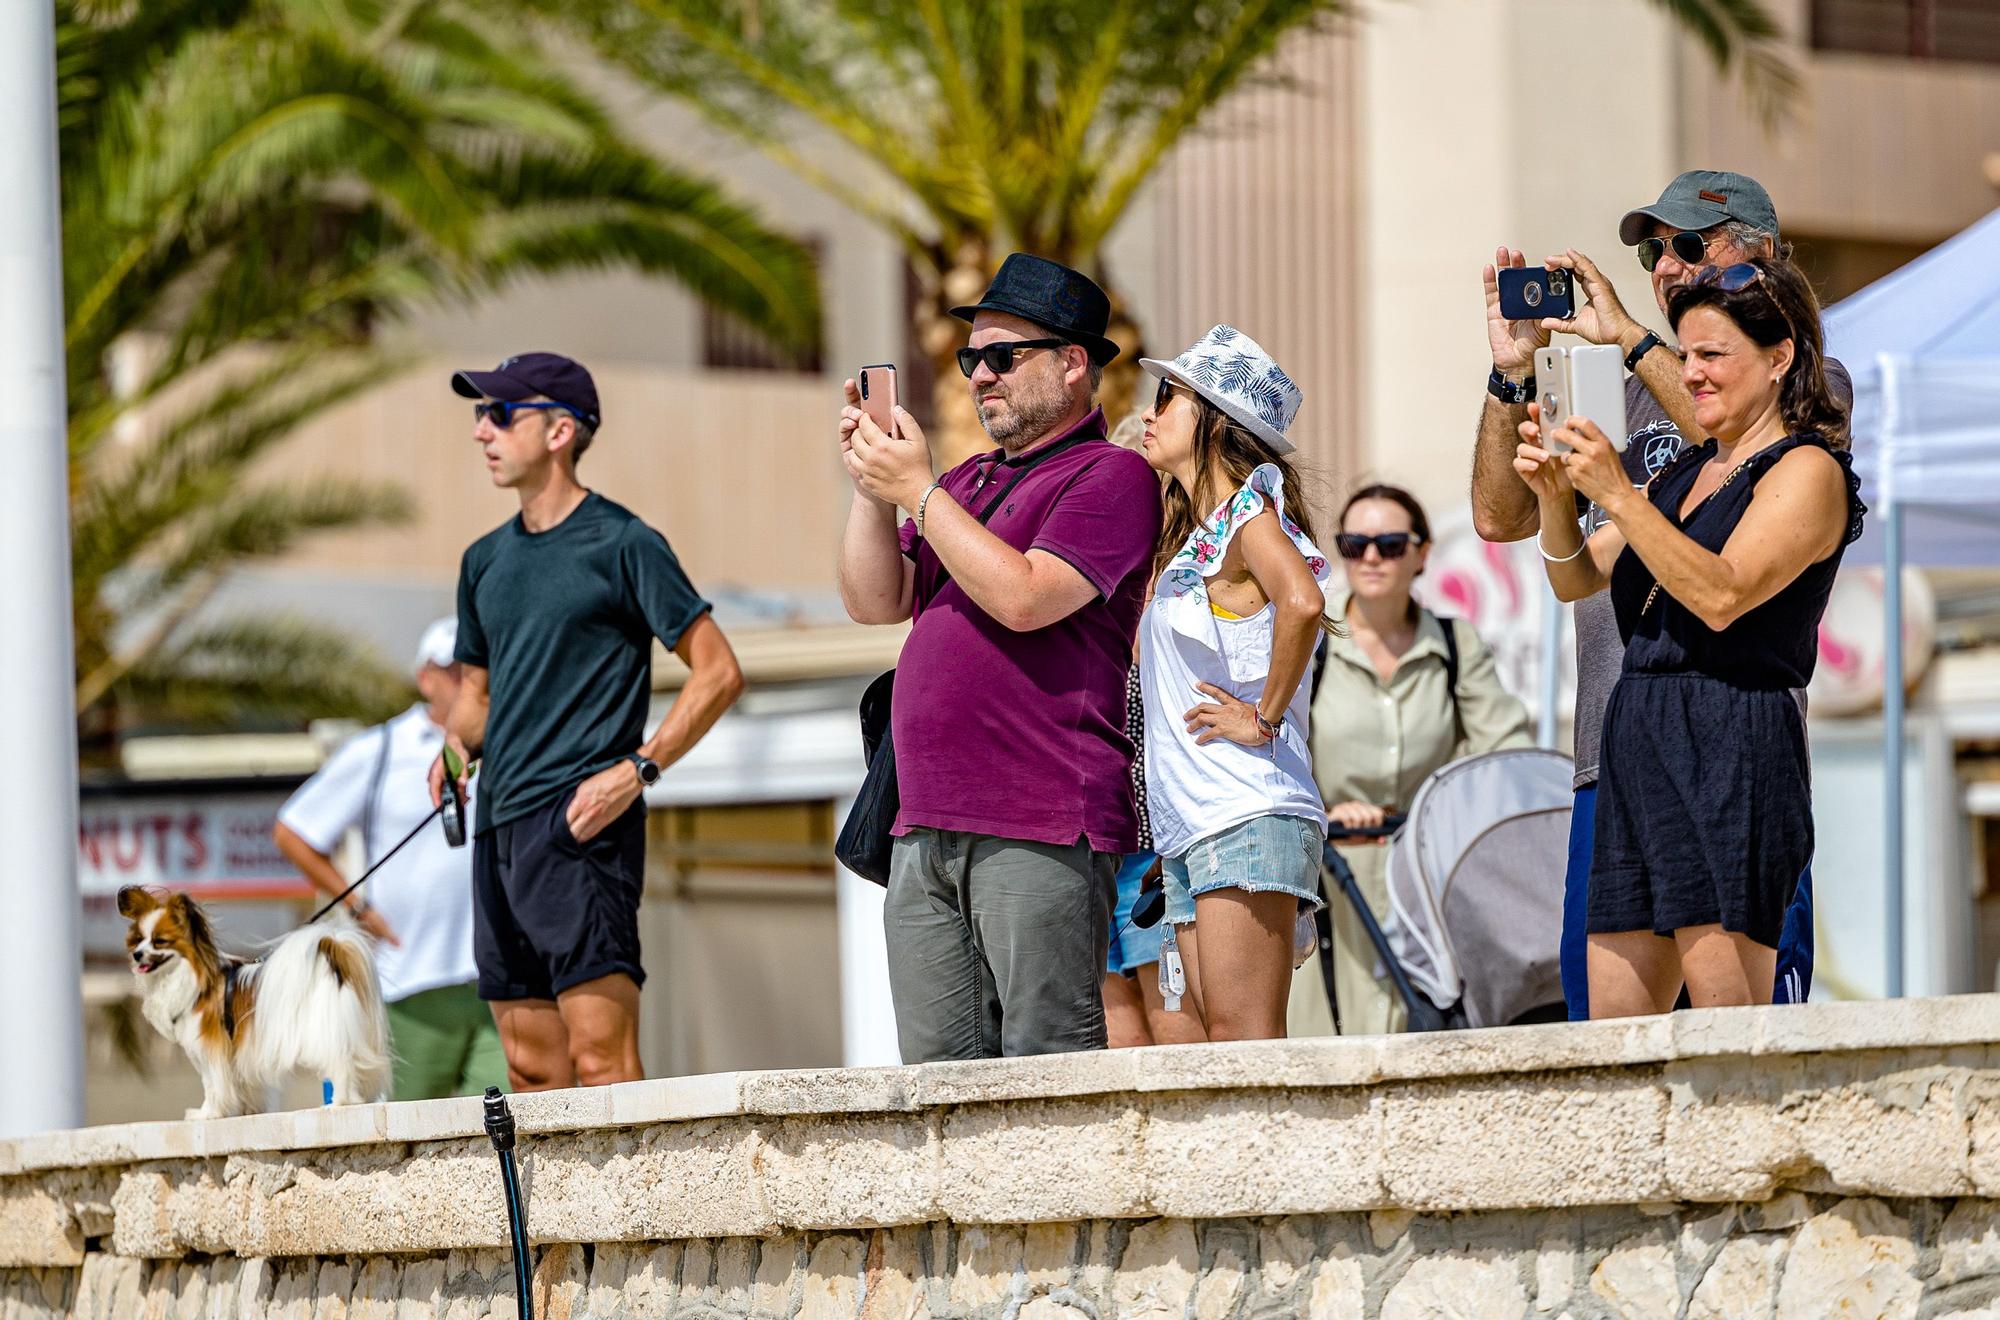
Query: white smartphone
1552	385
1597	389
1585	381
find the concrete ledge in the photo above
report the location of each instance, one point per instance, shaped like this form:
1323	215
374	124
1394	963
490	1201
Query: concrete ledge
1894	1099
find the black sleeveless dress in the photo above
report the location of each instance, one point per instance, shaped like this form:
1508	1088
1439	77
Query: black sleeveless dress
1704	809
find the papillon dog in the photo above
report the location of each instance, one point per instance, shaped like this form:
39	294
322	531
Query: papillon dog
310	1005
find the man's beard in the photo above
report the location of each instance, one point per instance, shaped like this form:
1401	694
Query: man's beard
1031	410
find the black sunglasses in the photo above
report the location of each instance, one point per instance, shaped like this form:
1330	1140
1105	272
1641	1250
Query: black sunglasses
1688	246
1389	545
999	357
502	412
1166	391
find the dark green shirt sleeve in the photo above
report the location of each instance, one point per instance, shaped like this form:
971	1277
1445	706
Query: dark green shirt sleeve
470	648
664	597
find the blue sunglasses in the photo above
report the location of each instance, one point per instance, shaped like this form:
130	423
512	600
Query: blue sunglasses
502	413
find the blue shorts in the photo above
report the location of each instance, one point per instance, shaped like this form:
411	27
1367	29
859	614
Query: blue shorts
1262	854
1132	947
1795	942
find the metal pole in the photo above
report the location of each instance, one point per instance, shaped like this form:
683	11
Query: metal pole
1552	633
867	1014
1892	681
1892	742
40	958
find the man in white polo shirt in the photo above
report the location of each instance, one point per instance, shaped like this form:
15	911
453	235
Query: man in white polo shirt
418	906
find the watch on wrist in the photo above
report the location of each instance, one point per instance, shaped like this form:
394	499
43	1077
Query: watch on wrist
1640	349
1508	391
1269	728
649	772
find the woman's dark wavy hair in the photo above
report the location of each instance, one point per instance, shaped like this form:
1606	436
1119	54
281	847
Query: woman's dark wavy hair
1218	436
1780	306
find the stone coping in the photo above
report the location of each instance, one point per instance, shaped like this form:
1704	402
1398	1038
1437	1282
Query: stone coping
1323	1063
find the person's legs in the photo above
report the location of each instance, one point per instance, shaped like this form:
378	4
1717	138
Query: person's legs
536	1044
1041	915
1725	968
1182	1026
601	1018
1246	949
484	1062
1572	957
428	1039
1124	1013
937	982
1795	946
1632	972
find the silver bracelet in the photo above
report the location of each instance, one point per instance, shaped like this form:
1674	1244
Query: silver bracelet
935	487
1584	545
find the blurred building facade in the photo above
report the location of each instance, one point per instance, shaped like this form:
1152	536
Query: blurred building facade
1340	215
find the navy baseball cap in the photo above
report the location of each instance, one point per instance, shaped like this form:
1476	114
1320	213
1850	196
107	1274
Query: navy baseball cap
550	375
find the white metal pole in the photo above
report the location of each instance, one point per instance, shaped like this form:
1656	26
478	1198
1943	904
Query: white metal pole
867	1014
1552	633
1892	684
40	960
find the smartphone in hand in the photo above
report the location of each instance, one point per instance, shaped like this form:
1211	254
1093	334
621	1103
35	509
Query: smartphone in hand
878	395
1529	293
1585	381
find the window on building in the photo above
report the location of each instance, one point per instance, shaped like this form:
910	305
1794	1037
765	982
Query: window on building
1914	29
729	344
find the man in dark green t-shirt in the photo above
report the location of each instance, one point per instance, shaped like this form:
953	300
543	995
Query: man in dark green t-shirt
557	612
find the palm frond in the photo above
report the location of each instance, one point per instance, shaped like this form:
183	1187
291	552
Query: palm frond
278	668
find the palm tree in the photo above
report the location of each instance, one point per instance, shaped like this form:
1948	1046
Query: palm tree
989	126
253	191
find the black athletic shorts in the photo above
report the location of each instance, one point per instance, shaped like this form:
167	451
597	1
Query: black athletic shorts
549	913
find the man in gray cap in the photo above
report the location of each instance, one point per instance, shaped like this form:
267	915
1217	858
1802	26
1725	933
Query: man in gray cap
1703	218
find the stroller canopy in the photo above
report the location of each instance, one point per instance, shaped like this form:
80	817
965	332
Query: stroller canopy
1476	883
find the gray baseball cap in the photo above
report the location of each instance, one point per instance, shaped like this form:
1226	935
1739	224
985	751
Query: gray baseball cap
1703	199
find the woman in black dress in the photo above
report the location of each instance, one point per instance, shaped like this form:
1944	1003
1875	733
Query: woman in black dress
1719	571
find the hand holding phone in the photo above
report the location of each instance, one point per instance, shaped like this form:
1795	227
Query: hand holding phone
878	395
1585	381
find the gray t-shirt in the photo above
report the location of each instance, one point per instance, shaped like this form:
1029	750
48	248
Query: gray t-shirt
1600	654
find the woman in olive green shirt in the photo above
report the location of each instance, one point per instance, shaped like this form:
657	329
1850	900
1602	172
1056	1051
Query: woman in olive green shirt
1383	721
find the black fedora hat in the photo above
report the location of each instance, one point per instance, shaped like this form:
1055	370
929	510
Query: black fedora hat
1053	296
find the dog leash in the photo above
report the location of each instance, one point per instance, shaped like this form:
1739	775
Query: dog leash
436	811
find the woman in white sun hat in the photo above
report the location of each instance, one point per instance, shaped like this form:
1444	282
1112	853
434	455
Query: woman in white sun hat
1225	647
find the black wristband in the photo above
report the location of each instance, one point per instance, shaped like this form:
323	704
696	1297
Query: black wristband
1640	349
1507	391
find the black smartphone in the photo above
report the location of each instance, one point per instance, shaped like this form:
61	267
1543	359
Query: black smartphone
1529	293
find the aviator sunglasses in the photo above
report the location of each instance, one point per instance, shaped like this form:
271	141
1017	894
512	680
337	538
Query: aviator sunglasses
999	357
1729	279
502	412
1688	248
1389	545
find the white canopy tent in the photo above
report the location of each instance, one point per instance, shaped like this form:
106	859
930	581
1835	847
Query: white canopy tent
1923	347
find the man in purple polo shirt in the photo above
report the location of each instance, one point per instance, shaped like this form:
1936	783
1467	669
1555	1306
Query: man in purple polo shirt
1024	570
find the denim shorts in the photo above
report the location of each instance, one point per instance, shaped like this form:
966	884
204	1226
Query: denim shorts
1262	854
1131	946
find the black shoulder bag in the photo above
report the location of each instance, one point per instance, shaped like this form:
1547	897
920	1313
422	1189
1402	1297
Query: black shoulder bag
865	843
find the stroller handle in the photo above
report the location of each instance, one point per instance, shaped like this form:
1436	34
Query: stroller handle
1390	824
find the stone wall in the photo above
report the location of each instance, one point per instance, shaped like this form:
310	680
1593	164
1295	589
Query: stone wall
1792	1162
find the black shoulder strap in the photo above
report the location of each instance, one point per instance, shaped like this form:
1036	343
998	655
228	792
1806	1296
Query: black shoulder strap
1450	626
370	804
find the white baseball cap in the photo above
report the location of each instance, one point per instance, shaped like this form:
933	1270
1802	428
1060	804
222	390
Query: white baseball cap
438	641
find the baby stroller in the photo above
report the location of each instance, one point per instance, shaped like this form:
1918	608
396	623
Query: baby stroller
1475	877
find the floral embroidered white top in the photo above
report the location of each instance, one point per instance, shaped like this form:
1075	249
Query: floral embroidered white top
1195	791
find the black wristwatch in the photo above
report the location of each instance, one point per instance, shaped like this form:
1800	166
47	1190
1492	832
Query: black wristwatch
649	773
1640	349
1507	391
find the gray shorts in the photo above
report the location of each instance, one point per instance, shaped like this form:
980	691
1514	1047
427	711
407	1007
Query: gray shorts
996	946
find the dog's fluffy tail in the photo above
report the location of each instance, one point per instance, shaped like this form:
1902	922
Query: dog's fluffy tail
319	1007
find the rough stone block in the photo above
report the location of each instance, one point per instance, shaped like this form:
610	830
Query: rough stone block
1034	1161
1637	1278
895	1283
1209	1155
1157	1272
1220	1288
1742	1283
1488	1286
1338	1291
36	1225
1284	1250
833	1277
1544	1140
829	1091
990	1263
1969	1242
852	1172
677	1099
1855	1259
1034	1077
